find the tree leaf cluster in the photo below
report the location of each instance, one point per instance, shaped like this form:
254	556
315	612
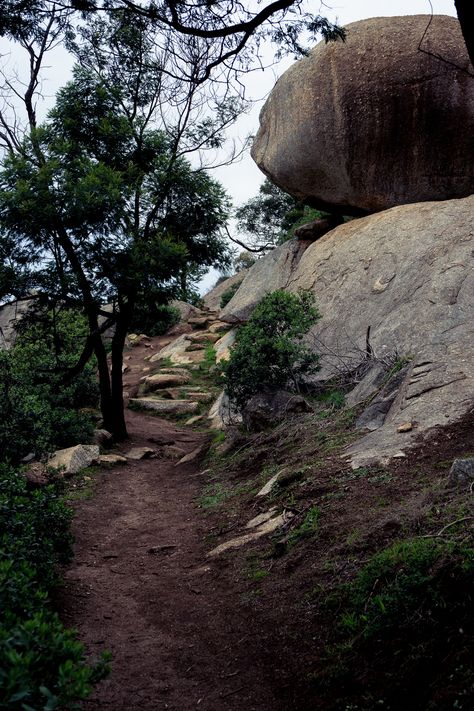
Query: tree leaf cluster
42	665
270	218
39	411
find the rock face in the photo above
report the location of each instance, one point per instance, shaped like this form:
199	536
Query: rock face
10	316
408	274
374	122
266	409
212	300
267	274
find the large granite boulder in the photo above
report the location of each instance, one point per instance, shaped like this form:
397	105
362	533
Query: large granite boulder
376	121
408	274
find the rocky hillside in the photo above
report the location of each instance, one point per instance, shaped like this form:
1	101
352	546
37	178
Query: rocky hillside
397	286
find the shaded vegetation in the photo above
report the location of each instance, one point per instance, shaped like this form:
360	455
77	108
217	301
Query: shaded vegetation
269	352
40	410
42	665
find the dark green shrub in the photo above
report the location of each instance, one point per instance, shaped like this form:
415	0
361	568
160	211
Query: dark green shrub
154	319
407	581
39	410
269	352
42	665
20	595
34	526
229	293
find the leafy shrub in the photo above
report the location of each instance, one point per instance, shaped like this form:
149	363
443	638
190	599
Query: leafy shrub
40	410
34	526
42	664
154	319
404	582
269	353
406	628
229	293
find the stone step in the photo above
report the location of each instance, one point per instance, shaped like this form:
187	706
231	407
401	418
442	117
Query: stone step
164	407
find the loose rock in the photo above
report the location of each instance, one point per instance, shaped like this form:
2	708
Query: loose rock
138	453
461	472
73	459
111	460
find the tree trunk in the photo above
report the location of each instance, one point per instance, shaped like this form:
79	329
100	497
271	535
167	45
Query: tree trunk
118	342
106	405
465	10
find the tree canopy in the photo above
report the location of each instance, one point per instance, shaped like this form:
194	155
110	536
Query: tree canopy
100	203
227	31
270	218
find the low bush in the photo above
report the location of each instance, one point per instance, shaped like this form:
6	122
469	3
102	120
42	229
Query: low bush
39	410
154	319
42	665
229	293
405	623
269	352
34	526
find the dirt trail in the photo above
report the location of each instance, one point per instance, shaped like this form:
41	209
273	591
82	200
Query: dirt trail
179	637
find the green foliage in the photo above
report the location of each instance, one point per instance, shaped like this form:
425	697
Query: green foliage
100	203
299	216
269	353
39	410
41	664
244	260
153	319
34	526
229	293
410	579
270	218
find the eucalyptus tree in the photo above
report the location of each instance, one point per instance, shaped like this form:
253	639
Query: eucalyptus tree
101	201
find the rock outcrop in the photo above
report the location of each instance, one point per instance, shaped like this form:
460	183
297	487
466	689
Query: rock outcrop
267	274
10	316
73	459
212	300
404	280
377	121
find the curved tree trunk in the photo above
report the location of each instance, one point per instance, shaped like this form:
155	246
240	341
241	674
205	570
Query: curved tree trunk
119	428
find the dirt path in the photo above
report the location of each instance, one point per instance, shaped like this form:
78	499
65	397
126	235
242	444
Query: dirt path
179	637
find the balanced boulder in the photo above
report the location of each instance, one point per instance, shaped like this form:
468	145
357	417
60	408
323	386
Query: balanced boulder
383	119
